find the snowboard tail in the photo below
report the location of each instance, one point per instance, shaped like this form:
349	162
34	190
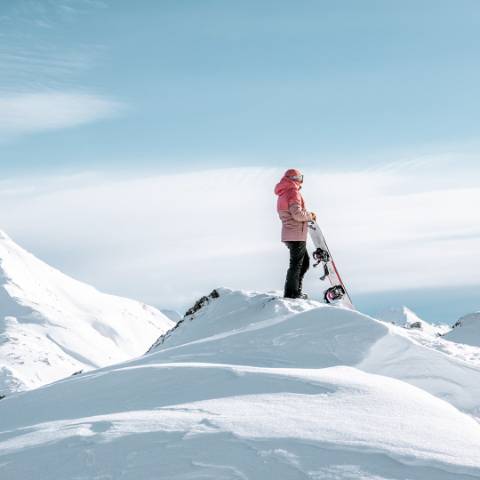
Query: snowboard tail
337	292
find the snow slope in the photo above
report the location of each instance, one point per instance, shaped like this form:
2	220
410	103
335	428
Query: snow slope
52	326
252	330
466	330
252	386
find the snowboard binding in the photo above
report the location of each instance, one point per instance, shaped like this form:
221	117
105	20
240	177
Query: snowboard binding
320	256
334	293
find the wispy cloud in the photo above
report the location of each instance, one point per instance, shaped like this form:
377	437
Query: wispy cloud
38	86
169	238
30	54
47	65
43	13
35	112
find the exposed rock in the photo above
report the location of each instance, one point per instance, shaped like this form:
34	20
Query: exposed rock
189	315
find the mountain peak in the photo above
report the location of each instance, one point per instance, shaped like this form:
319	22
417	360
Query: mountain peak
52	325
400	315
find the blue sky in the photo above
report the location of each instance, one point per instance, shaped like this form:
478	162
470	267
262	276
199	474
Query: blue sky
376	101
203	83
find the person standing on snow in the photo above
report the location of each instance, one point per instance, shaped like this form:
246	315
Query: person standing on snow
295	218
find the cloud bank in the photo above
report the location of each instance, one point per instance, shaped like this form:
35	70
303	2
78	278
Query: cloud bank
35	112
167	239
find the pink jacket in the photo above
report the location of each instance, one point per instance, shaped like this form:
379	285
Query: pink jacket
291	209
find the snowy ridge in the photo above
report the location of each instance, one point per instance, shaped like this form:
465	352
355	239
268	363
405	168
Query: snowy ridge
399	316
52	326
405	317
264	330
253	386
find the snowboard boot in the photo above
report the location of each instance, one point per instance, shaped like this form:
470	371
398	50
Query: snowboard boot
301	295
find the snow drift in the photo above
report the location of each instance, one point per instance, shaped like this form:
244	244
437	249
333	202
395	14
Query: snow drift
52	326
253	386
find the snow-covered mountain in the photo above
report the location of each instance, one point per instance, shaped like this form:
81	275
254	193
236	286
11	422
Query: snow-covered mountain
52	326
253	386
466	330
407	318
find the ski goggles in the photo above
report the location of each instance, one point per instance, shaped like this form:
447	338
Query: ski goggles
297	177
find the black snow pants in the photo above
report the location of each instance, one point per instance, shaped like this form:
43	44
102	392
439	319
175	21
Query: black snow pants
299	264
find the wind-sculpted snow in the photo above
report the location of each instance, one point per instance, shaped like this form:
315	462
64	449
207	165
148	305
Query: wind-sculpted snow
263	330
52	326
190	420
253	386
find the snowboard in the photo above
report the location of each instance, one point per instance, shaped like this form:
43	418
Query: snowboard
336	292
